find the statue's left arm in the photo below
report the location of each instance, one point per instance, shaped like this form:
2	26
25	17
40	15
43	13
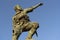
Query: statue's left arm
33	7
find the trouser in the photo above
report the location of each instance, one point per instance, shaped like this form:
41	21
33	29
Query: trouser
31	27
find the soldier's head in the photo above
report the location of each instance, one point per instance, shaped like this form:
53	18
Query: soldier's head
18	8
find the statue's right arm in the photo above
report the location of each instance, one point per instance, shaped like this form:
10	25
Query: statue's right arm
33	7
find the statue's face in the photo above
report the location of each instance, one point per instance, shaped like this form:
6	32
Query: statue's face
18	9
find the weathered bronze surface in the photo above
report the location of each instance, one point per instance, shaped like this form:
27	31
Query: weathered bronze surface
22	23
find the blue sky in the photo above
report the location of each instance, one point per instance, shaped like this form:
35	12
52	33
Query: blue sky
48	17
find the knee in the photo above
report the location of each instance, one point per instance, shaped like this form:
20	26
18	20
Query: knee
35	25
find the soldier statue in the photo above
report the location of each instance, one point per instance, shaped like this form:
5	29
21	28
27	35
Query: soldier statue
22	23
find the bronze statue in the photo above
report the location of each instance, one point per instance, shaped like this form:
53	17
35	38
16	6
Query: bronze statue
21	22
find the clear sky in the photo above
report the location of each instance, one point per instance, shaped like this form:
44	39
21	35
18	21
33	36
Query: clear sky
48	17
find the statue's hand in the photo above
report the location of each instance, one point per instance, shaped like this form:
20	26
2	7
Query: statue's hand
40	4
